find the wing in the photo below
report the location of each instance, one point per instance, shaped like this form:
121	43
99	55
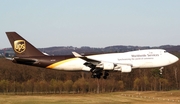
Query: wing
92	63
98	66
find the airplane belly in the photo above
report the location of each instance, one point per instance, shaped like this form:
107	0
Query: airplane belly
146	65
73	64
142	64
151	62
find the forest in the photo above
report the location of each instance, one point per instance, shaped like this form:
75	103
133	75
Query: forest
21	79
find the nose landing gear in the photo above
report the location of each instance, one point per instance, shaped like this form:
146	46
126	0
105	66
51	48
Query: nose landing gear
161	70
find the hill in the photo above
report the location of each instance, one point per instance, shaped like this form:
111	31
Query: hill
67	50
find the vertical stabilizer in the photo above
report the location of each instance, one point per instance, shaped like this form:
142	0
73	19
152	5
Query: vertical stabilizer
22	47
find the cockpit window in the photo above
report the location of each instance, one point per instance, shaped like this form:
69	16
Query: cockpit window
165	51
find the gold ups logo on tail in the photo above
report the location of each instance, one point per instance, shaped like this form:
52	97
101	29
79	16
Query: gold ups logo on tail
19	46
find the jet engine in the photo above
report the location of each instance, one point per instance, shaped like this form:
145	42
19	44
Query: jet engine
106	66
123	68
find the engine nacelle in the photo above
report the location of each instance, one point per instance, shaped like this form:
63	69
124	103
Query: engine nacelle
106	66
126	69
123	68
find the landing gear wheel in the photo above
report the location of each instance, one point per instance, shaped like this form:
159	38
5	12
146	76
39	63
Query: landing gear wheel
105	77
93	76
96	75
105	74
99	75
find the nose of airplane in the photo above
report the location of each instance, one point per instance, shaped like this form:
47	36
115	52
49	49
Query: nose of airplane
173	59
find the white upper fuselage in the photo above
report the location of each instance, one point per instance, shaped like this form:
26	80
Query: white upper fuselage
136	59
139	59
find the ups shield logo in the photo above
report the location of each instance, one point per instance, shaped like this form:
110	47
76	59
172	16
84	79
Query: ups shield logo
19	46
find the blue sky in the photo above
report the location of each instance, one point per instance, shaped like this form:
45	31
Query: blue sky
94	23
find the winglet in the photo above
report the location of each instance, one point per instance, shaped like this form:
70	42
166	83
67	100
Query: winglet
77	54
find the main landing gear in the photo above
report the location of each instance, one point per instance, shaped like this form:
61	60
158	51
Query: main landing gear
97	73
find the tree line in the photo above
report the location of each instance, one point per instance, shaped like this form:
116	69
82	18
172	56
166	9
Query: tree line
21	79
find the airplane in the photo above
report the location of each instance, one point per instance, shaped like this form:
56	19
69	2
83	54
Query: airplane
99	65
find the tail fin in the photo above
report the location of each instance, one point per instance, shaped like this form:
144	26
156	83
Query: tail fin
22	47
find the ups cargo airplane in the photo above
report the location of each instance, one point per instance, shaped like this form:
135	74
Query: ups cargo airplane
99	65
